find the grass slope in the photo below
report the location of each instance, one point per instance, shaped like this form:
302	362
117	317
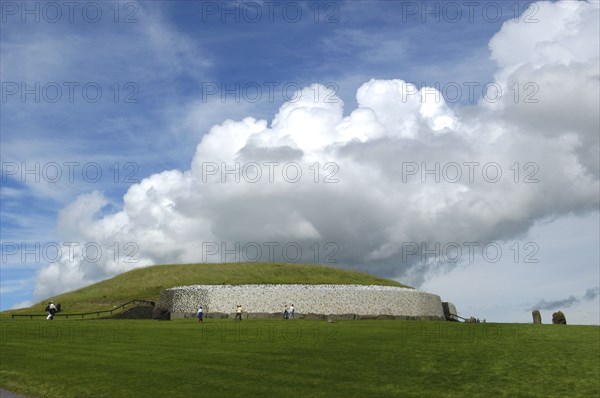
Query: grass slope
146	283
276	358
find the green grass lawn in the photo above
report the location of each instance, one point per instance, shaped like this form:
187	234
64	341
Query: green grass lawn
271	358
147	283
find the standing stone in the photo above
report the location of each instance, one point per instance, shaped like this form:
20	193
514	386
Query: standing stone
537	317
558	318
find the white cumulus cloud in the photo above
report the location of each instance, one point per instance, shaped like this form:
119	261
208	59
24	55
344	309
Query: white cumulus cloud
359	184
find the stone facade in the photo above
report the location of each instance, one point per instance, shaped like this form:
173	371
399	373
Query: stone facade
352	301
449	311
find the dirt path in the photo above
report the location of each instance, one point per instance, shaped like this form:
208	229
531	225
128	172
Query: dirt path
8	394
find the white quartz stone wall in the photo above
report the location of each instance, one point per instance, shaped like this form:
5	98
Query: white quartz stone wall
366	300
452	309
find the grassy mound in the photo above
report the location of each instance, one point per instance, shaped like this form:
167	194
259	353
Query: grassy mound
146	283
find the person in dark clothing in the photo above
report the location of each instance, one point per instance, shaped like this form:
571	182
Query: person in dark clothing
51	310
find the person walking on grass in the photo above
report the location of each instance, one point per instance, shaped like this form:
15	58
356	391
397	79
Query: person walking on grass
200	314
238	313
51	310
292	311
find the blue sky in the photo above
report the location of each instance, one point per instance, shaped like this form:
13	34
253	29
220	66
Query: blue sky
163	61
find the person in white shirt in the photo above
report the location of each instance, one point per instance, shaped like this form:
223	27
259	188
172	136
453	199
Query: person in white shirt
200	314
291	311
